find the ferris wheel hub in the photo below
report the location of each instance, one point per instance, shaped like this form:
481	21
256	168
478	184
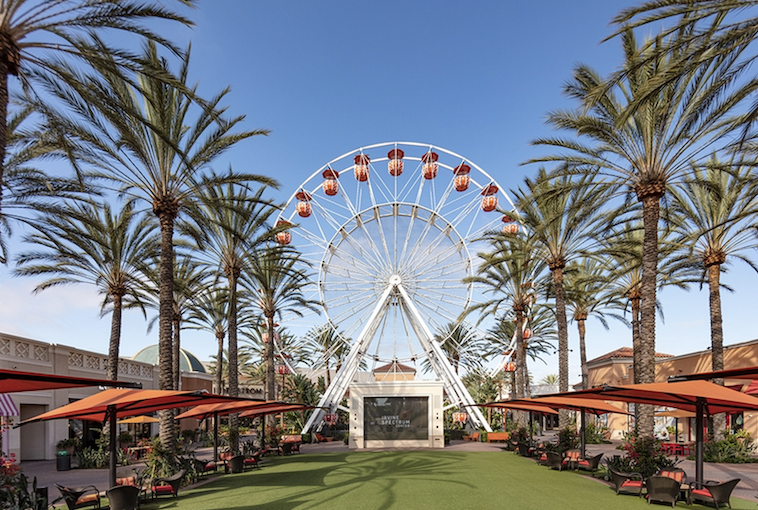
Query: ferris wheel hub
395	280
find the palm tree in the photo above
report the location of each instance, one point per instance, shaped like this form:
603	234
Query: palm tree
550	380
35	35
325	344
276	277
146	142
508	273
208	312
647	154
88	243
586	283
560	216
462	346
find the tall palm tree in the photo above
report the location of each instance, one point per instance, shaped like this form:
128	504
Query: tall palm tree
462	344
507	273
36	34
208	312
153	144
325	345
560	215
647	154
88	243
586	283
275	278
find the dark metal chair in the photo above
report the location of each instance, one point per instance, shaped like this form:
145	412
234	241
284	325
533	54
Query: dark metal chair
554	460
524	450
80	497
168	485
251	461
663	489
627	483
571	459
590	463
123	497
237	464
676	473
713	492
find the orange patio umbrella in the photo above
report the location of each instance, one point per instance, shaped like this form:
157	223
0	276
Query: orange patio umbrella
13	381
114	404
697	396
520	406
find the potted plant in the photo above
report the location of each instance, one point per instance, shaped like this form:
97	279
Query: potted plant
67	444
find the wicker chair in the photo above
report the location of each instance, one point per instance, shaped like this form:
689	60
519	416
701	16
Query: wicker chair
554	460
713	492
663	489
676	473
168	485
571	459
80	497
123	497
589	464
251	461
628	483
524	450
237	464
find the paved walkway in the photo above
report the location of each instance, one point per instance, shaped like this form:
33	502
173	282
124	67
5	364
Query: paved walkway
47	475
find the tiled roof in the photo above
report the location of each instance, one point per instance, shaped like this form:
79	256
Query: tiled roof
624	352
395	367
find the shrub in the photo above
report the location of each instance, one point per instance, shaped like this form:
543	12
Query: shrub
595	433
16	492
734	448
125	437
568	439
645	456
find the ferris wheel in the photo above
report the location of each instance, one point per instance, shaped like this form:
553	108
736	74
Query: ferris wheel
392	231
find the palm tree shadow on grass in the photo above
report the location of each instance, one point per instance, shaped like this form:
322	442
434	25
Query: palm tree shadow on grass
345	475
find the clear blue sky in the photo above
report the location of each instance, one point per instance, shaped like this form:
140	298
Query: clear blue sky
327	77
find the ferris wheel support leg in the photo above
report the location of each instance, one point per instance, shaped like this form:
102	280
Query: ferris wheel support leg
454	384
334	393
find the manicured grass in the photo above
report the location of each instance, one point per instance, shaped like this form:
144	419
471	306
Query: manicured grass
406	480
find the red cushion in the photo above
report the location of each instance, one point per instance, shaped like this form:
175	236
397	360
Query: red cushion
210	465
584	463
127	480
163	488
702	492
87	498
543	457
632	483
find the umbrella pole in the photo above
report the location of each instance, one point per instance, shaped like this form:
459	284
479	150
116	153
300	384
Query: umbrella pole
583	421
531	429
111	415
699	411
215	437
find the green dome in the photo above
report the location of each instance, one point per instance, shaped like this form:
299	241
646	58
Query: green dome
188	362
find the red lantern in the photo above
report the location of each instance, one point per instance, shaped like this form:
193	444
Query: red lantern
489	200
527	334
361	167
264	337
460	417
303	206
330	184
511	228
395	165
331	419
509	366
462	179
282	369
283	237
429	170
507	219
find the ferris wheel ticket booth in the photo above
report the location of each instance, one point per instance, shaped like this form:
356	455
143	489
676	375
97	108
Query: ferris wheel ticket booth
396	414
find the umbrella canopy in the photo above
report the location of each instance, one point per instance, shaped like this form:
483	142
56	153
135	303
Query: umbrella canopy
274	409
676	413
114	404
140	419
520	406
696	396
13	381
223	408
734	373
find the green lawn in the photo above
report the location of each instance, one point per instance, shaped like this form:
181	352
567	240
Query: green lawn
406	480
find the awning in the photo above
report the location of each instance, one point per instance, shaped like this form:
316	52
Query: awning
7	406
13	381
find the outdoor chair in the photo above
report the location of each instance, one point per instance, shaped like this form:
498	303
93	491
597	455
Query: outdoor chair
168	485
203	467
628	483
80	497
590	464
123	497
132	481
676	473
251	461
662	489
713	492
237	464
572	458
524	450
554	460
285	448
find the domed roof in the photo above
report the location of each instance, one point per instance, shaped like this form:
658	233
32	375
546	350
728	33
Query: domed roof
188	362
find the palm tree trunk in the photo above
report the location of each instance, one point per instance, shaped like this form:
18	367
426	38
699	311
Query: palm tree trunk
635	300
113	347
232	276
270	372
717	341
177	347
522	375
219	363
560	316
166	318
582	327
4	125
650	196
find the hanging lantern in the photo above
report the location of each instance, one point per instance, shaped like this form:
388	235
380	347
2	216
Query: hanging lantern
303	206
527	334
489	200
462	178
330	184
283	237
395	165
264	337
509	366
460	417
361	167
429	170
510	228
331	419
282	369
